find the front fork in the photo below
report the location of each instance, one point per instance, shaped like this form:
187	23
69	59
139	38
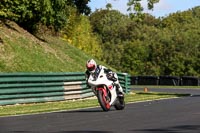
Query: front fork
105	92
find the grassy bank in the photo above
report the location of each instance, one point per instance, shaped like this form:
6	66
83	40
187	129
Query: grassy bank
76	104
23	52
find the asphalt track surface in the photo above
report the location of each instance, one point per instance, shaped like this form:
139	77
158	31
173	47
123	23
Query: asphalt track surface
178	115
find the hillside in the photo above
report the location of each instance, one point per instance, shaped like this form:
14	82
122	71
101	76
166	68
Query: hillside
23	52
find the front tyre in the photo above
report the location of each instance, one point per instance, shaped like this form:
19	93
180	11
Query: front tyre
103	100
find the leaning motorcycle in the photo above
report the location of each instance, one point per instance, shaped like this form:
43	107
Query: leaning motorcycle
106	92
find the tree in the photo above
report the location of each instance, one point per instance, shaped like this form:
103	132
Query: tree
78	32
109	6
184	34
109	24
82	6
111	27
136	10
134	58
29	14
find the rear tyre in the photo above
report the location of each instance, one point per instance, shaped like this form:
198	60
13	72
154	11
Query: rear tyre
120	103
103	101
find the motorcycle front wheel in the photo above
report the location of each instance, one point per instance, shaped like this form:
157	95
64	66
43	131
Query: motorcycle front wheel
103	100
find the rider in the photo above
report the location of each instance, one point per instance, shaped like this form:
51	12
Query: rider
92	68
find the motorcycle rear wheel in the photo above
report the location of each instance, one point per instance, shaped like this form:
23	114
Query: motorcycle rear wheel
120	104
104	103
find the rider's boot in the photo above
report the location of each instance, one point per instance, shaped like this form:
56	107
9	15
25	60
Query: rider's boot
120	92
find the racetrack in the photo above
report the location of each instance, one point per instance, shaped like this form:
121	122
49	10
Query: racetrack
178	115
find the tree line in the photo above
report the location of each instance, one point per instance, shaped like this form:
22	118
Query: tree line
138	43
152	46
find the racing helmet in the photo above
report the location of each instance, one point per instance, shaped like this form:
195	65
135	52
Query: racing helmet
91	65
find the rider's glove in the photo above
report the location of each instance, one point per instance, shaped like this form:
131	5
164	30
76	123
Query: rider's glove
110	76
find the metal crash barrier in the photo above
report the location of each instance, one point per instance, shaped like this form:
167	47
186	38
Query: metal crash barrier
165	80
18	88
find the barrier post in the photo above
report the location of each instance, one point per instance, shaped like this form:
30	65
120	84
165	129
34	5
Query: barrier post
127	82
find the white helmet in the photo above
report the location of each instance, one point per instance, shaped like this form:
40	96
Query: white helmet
91	65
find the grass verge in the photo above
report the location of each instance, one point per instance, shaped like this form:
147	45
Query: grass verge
77	104
167	87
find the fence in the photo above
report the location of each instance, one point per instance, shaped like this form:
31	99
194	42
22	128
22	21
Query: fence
165	80
17	88
125	81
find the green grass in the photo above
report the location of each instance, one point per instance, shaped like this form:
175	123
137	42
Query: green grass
23	52
167	87
76	104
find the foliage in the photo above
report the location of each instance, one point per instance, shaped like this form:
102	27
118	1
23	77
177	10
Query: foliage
163	46
59	14
48	12
136	10
78	32
110	26
82	6
139	44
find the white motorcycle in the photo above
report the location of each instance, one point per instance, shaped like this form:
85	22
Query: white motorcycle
106	92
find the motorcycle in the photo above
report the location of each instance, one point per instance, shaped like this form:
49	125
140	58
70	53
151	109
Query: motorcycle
106	92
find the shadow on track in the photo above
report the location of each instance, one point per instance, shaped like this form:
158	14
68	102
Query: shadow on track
195	95
86	132
66	132
86	111
175	129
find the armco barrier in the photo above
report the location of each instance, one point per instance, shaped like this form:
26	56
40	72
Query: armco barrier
16	88
134	80
169	80
190	81
125	81
147	80
165	80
